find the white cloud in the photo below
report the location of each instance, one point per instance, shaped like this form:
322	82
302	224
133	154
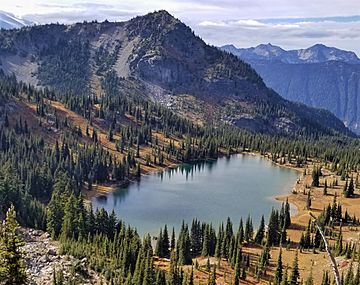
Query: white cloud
287	26
250	23
344	35
212	24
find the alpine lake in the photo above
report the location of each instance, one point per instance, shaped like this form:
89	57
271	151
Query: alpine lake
211	191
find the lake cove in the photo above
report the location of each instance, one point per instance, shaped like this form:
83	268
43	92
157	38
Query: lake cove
232	187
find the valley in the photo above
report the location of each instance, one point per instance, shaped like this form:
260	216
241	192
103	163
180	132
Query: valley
113	133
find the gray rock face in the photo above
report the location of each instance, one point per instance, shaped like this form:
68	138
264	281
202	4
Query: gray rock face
42	256
334	86
320	76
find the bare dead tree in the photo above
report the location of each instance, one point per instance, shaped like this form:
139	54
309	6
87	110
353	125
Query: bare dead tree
327	248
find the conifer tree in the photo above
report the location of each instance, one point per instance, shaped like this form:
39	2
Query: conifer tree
350	189
315	177
12	267
278	270
148	270
55	215
240	233
173	274
325	188
165	243
219	240
172	242
205	245
294	276
69	226
287	218
236	278
285	277
249	232
208	265
263	261
159	244
183	246
273	233
345	190
261	231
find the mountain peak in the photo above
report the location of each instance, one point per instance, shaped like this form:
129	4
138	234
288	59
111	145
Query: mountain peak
315	54
322	53
156	22
268	45
162	13
268	50
318	46
161	16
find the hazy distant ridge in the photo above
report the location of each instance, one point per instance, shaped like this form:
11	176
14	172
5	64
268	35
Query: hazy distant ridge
318	76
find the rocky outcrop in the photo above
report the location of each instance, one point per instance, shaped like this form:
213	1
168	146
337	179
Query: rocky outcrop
43	257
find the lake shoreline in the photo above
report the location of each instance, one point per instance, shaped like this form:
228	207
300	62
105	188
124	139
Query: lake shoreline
108	188
226	173
99	190
298	210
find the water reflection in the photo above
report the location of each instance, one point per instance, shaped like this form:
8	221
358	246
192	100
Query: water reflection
210	191
185	170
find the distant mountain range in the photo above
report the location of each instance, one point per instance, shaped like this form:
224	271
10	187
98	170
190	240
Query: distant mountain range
315	54
158	57
318	76
10	21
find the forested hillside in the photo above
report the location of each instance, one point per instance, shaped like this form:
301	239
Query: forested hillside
64	145
158	57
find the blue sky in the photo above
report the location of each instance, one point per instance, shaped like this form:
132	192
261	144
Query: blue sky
288	23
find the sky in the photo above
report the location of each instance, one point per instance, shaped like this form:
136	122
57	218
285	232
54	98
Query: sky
288	23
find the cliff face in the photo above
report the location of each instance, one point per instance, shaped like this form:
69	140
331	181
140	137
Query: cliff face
159	57
334	86
319	76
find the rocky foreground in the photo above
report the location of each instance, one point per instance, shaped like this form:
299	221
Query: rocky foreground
43	258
